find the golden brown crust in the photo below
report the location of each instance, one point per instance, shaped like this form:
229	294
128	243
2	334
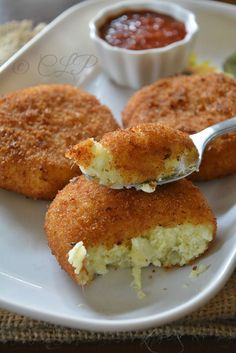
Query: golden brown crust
37	125
85	211
139	153
82	153
190	104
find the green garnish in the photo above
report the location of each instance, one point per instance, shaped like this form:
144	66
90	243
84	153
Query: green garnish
229	65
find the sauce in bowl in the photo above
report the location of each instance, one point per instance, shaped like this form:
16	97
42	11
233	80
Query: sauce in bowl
142	29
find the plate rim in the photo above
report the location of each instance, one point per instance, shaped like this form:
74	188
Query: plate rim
216	5
106	325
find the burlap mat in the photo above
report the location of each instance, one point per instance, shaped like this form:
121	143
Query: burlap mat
217	318
13	35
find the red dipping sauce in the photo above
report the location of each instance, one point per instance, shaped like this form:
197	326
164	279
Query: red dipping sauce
142	29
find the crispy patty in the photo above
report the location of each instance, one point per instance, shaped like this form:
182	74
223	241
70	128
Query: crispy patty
98	216
190	104
37	125
135	155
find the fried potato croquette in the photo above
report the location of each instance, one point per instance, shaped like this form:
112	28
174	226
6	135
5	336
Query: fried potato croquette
191	104
136	157
37	125
92	228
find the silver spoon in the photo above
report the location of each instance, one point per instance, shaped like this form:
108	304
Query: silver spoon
201	140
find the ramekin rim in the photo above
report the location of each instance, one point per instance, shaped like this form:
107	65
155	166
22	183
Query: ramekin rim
126	4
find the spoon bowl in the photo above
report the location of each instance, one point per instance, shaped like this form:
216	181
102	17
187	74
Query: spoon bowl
144	156
201	140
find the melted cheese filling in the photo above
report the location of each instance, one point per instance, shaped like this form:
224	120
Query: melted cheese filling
162	246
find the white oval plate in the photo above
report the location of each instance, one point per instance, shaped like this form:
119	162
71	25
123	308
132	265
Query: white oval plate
31	282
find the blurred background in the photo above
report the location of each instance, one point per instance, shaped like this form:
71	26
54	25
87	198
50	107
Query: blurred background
40	10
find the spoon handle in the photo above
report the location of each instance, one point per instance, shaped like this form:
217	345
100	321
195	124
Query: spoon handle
202	138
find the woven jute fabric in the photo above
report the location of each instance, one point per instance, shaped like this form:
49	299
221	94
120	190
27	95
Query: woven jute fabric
13	35
217	318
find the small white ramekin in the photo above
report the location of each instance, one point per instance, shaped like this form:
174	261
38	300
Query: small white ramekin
136	68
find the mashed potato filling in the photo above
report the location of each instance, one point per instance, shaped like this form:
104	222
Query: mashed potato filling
162	246
174	167
102	169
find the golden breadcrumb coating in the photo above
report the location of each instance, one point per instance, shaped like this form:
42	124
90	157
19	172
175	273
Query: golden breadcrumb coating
37	125
190	104
98	216
136	155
